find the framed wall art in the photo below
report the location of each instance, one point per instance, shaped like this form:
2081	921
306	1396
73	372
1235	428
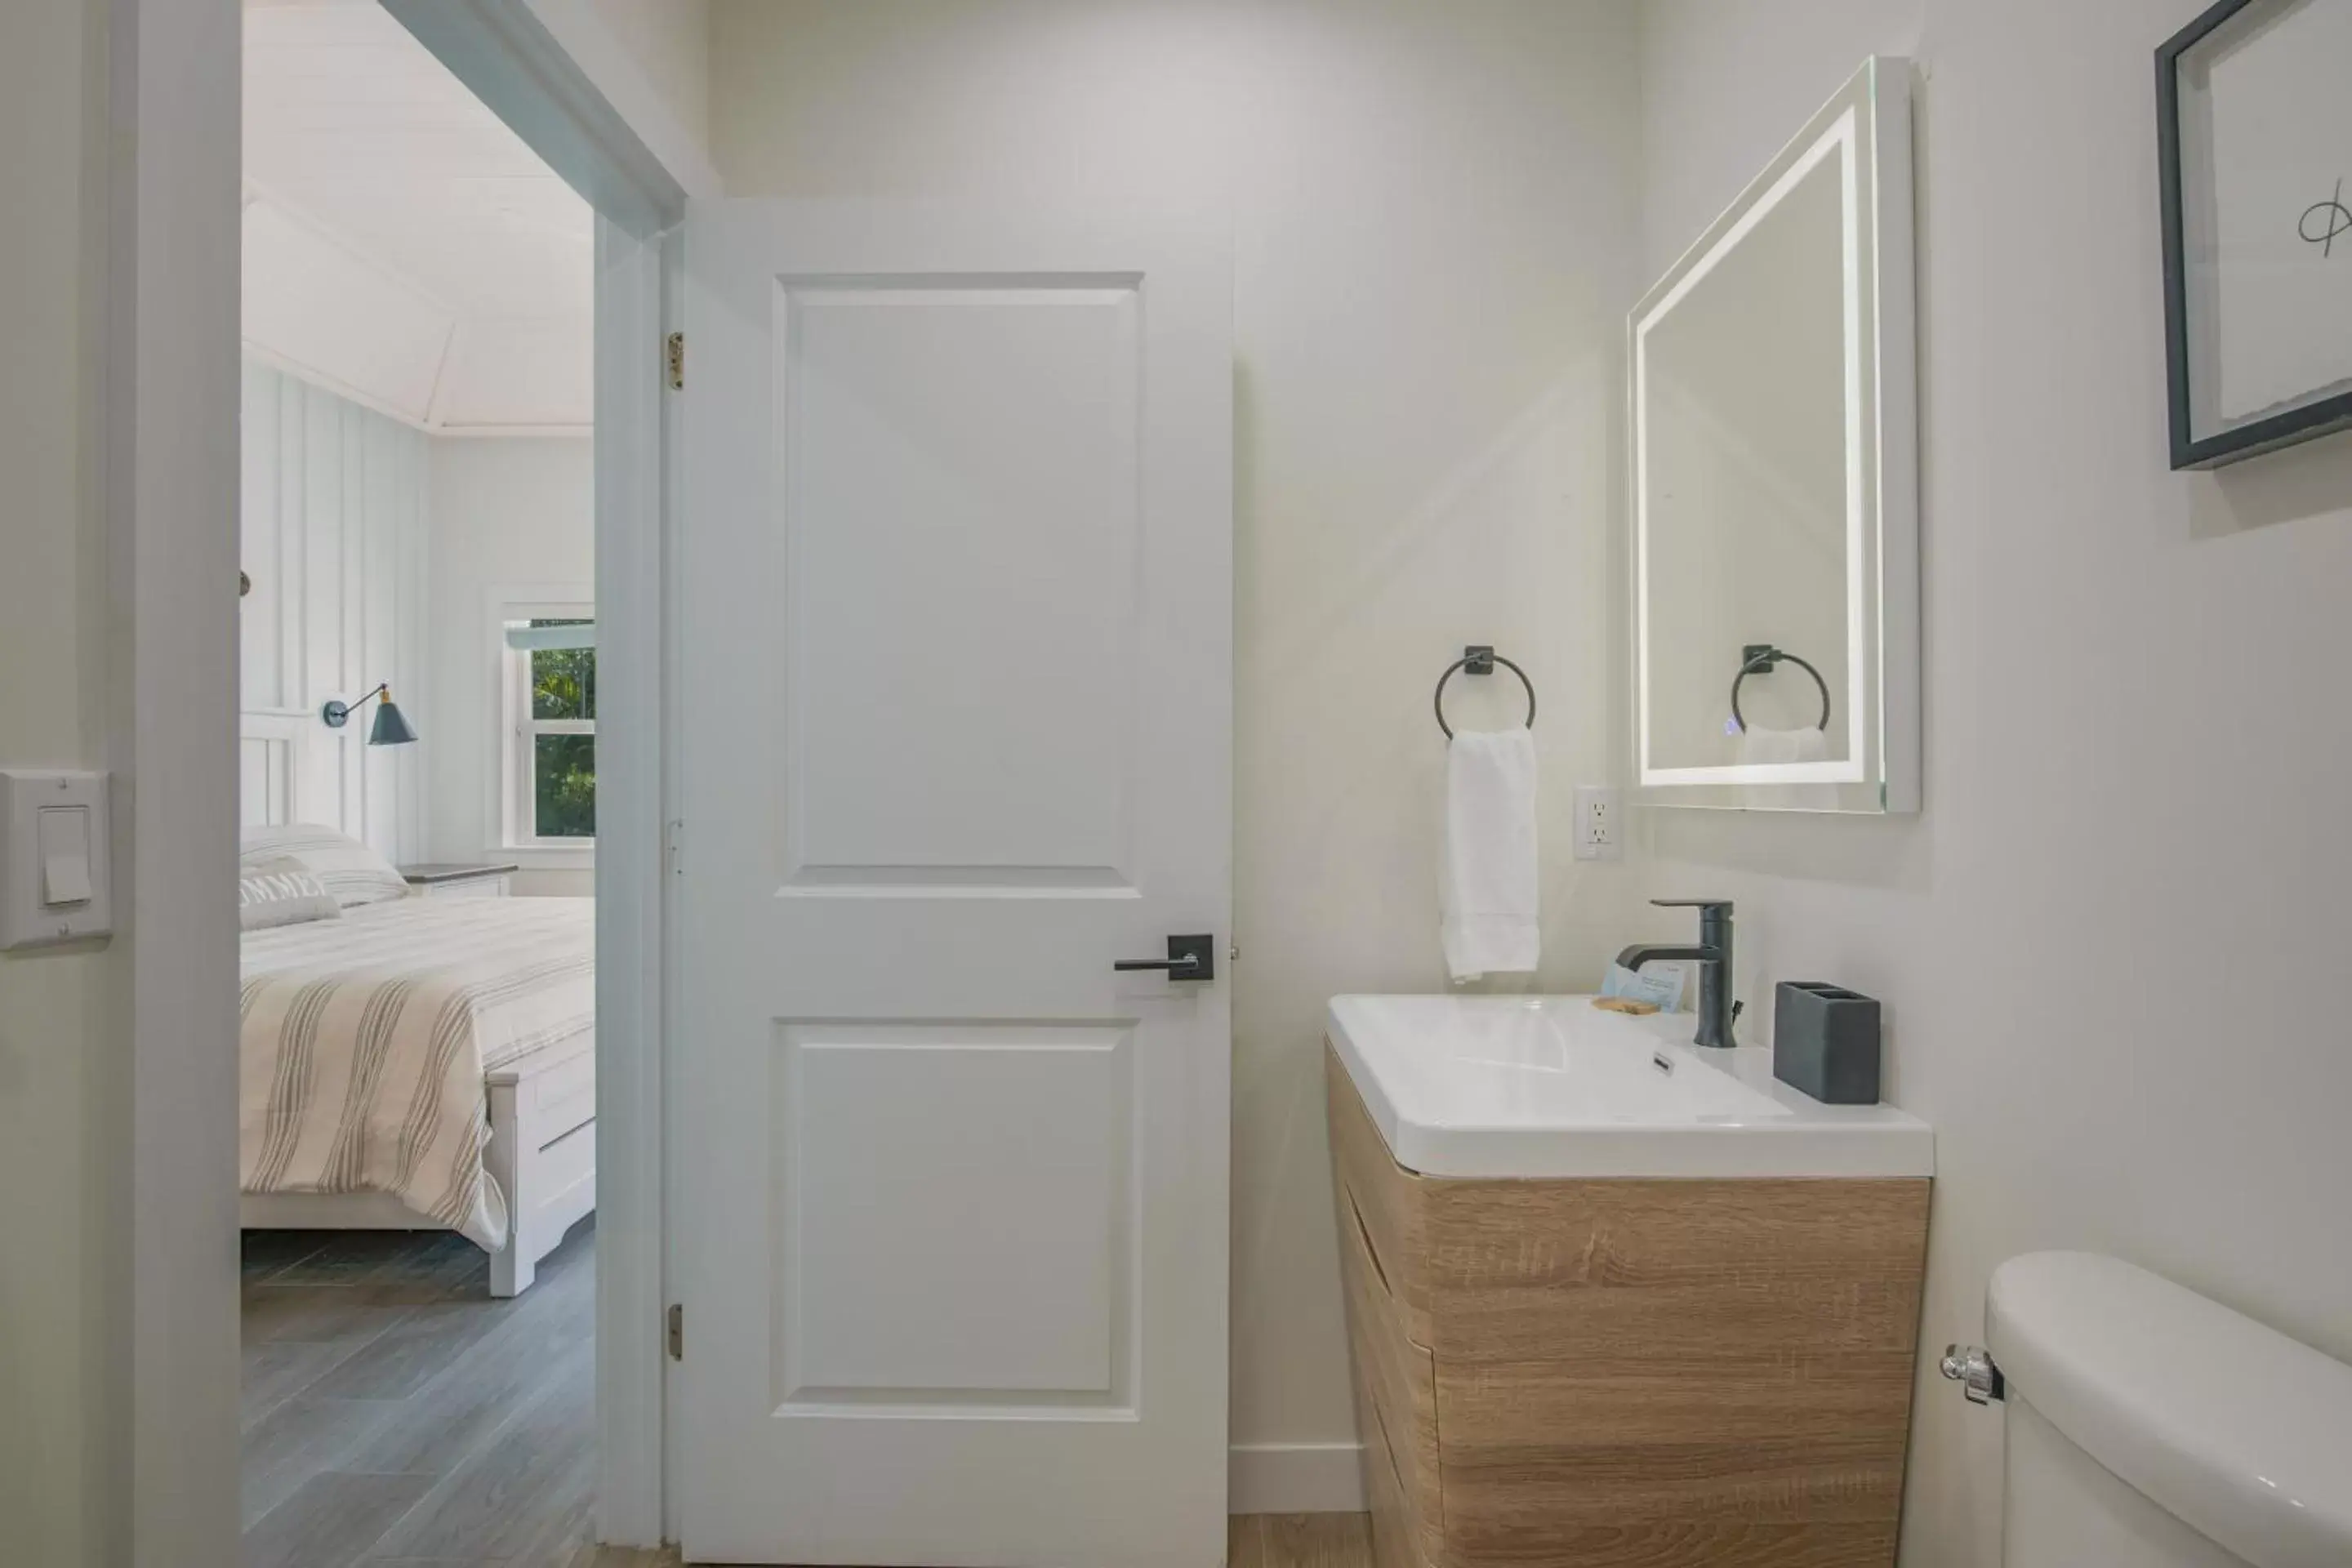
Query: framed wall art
2254	146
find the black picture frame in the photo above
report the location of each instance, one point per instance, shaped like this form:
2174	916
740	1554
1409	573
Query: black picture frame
2258	436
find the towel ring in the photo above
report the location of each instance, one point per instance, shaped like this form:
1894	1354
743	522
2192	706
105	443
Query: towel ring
1759	658
1479	660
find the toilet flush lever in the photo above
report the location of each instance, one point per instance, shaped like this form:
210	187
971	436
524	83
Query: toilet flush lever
1971	1367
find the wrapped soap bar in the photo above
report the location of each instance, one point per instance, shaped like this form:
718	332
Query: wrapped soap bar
1624	1005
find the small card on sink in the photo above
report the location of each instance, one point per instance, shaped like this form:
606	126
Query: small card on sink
1661	991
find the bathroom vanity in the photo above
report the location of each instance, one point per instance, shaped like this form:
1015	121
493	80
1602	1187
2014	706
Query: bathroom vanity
1616	1299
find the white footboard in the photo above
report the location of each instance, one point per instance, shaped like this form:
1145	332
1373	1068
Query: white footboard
542	1155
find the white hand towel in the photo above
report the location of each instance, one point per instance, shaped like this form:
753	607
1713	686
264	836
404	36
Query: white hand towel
1757	745
1488	918
1777	747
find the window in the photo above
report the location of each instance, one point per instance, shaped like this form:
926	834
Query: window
550	651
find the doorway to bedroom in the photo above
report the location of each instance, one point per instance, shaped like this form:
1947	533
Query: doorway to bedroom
417	769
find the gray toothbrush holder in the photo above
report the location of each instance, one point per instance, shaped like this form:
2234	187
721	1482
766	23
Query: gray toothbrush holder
1825	1042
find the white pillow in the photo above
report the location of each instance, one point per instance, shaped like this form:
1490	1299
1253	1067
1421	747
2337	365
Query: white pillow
282	892
351	871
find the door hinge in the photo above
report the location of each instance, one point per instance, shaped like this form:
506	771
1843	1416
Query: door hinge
677	1331
674	846
673	356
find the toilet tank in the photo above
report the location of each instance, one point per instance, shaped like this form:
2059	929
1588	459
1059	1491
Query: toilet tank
2151	1427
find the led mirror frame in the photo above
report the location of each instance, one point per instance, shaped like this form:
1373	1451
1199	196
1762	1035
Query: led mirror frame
1867	127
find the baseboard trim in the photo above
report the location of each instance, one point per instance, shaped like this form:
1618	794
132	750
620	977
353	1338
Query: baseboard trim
1295	1478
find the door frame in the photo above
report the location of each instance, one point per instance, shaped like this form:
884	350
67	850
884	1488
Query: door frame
166	1459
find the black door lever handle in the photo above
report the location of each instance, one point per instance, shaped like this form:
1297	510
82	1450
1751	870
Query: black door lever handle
1187	959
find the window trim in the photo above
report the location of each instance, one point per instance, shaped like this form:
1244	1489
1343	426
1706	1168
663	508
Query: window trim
515	727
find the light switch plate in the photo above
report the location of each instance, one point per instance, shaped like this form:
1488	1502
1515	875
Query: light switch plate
55	833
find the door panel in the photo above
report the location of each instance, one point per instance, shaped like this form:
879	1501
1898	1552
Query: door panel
956	736
936	1250
986	440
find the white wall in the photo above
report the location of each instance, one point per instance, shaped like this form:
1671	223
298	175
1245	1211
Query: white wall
332	533
651	59
1433	217
57	1080
507	513
2107	943
669	42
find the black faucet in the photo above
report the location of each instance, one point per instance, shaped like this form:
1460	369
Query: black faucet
1713	954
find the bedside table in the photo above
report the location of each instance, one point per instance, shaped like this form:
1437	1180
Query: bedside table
460	880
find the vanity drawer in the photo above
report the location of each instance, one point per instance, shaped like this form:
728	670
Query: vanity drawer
1396	1538
1577	1461
1396	1398
1386	1196
1681	1278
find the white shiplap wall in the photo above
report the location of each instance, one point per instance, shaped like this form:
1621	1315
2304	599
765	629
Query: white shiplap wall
334	535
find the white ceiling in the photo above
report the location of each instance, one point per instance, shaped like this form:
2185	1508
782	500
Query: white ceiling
401	246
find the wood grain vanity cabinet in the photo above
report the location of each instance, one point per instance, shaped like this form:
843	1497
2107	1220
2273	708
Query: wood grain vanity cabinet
1593	1372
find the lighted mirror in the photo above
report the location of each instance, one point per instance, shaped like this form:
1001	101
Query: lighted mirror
1775	491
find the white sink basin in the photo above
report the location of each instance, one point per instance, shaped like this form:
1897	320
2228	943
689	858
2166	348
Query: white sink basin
1551	1085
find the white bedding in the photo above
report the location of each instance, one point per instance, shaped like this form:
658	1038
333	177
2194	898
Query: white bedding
364	1042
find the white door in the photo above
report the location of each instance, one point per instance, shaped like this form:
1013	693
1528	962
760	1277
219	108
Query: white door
957	611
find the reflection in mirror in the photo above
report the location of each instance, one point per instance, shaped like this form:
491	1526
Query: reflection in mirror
1746	465
1772	410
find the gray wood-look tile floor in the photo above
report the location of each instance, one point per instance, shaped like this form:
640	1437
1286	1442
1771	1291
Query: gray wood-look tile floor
1252	1541
395	1416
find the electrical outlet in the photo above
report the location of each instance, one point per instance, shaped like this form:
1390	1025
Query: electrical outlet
1599	828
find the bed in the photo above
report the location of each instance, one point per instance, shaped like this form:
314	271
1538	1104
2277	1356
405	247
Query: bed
412	1063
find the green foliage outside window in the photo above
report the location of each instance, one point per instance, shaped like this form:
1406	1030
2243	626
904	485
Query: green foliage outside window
564	767
563	777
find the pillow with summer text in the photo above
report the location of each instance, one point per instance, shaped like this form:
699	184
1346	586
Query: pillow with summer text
282	892
352	872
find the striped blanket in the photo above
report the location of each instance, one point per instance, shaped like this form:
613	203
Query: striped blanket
365	1040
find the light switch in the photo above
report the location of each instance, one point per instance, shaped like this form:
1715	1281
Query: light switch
64	837
55	884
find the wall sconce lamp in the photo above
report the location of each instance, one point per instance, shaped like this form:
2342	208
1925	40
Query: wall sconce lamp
391	727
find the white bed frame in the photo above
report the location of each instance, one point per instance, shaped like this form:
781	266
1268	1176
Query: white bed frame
542	1155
